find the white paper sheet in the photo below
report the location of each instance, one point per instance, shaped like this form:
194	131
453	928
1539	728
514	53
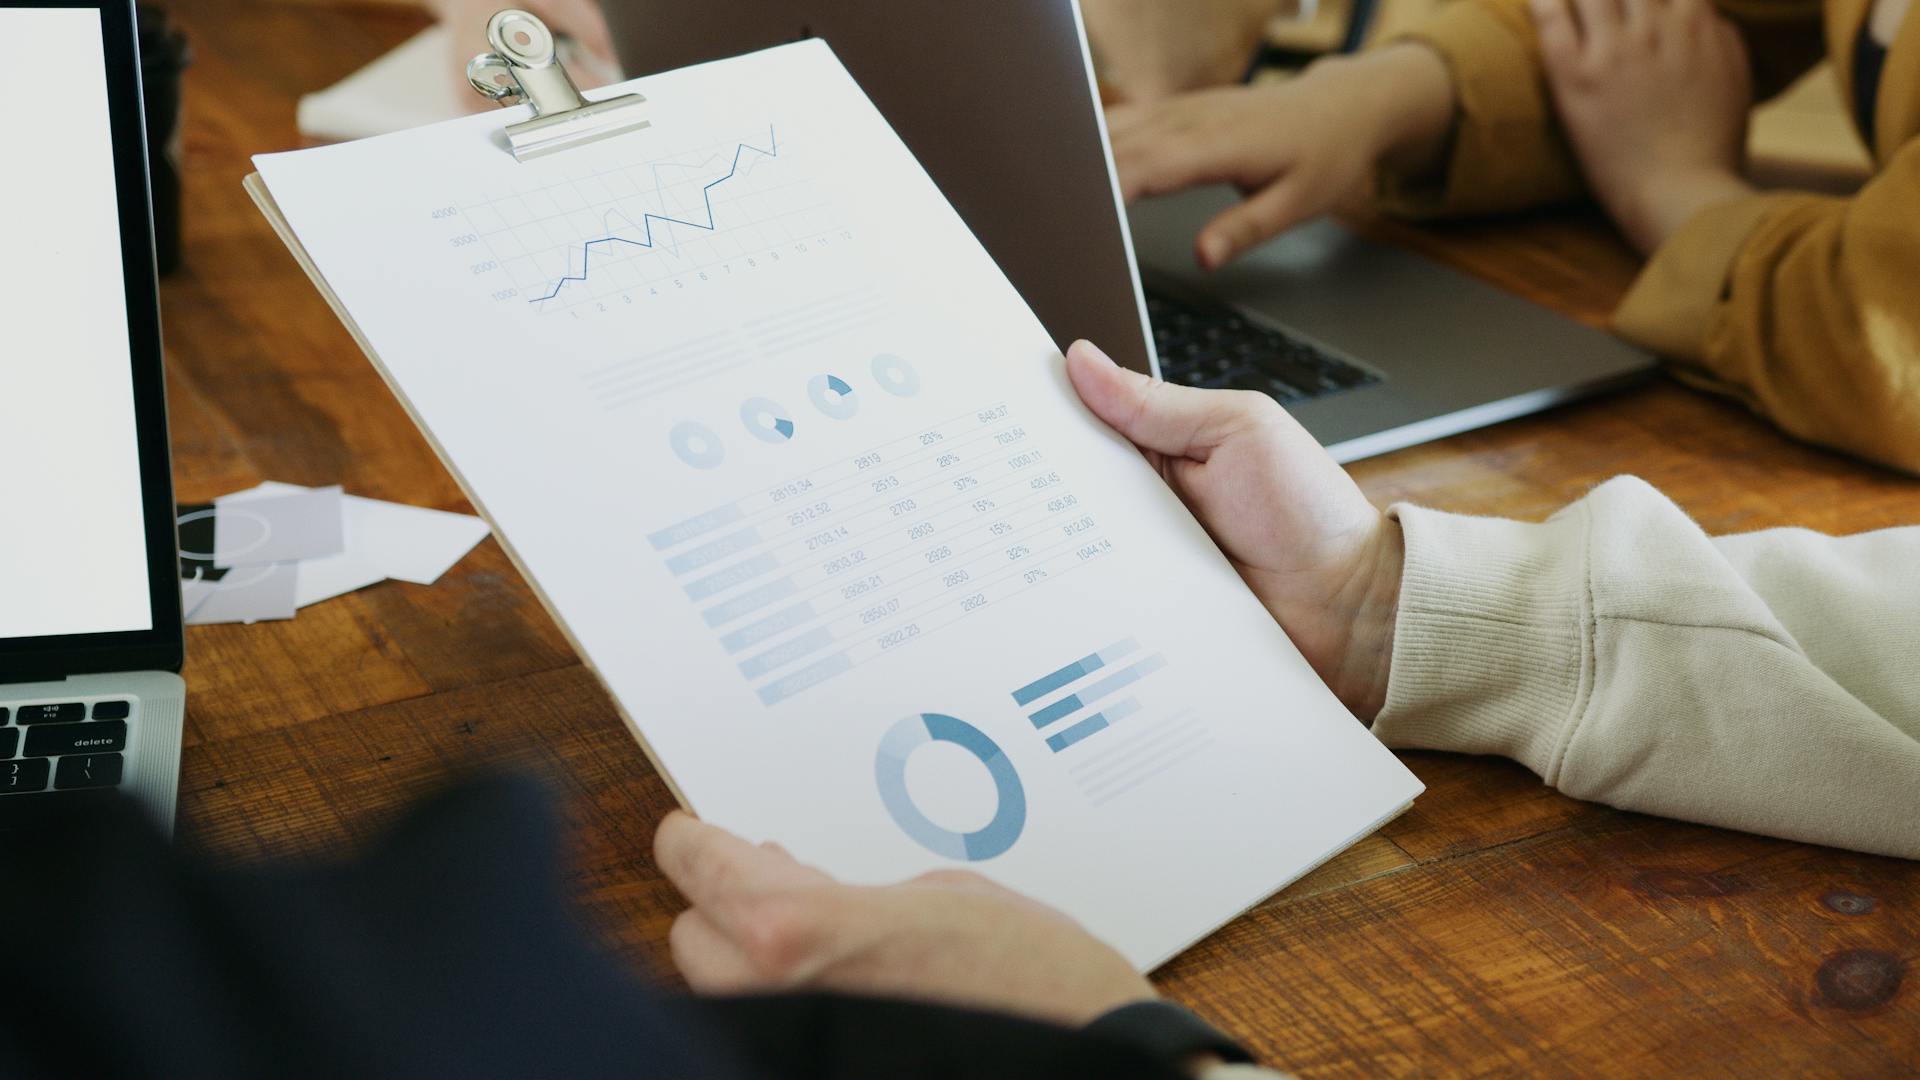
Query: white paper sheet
247	594
282	528
382	540
806	481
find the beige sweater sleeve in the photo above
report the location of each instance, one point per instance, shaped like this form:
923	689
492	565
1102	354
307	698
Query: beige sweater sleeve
1765	681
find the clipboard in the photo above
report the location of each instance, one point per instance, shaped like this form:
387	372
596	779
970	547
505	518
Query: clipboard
741	613
523	68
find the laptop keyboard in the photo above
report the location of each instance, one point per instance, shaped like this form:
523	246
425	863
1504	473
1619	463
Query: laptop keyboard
1213	346
56	756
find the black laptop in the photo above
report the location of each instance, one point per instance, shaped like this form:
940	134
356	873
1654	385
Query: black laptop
91	701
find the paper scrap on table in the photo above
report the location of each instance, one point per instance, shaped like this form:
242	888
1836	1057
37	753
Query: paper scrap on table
280	528
382	540
193	593
248	594
217	594
414	85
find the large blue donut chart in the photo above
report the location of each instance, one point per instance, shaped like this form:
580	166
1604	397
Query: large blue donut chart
890	772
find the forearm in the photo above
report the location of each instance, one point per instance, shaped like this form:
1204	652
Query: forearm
1502	147
1406	96
1755	683
1802	305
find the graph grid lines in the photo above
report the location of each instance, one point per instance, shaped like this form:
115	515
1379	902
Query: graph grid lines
619	232
647	218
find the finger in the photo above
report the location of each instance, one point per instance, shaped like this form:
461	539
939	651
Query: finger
1157	416
1599	25
719	871
1559	36
710	961
965	881
1638	25
1124	117
1253	221
1154	159
1178	143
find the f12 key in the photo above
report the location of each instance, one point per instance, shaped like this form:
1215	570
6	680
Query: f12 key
57	712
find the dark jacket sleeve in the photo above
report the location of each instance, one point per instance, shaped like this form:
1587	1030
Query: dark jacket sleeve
446	948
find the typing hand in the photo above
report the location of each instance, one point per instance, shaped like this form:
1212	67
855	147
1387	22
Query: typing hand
1296	148
1321	558
1654	95
761	921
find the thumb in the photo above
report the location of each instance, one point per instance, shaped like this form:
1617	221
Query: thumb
1179	421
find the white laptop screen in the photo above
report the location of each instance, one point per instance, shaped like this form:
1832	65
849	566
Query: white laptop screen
73	550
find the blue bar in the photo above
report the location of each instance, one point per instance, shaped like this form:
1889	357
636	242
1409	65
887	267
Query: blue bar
787	652
692	527
1079	669
738	574
780	621
1047	684
1070	703
1123	678
752	600
1077	732
708	554
775	692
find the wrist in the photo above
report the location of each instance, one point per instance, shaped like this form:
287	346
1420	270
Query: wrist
1405	94
1372	602
1666	202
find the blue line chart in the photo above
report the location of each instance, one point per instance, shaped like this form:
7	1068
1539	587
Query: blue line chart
647	219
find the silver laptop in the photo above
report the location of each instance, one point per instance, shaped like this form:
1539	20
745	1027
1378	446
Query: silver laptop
1370	346
91	702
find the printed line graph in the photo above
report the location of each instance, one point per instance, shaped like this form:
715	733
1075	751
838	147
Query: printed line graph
647	218
609	232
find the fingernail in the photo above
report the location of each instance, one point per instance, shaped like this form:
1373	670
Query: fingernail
1098	353
1213	251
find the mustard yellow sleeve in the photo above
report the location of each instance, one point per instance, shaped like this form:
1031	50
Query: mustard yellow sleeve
1807	307
1508	150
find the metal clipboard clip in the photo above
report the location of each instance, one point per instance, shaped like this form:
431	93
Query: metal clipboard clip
525	66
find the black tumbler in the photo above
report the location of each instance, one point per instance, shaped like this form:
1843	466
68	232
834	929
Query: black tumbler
163	58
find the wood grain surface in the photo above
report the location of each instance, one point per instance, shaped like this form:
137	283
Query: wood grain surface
1498	927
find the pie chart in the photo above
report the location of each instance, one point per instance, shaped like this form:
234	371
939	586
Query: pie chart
766	420
697	445
890	773
895	375
832	396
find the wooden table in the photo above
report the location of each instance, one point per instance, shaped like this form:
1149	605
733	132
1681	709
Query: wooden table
1497	927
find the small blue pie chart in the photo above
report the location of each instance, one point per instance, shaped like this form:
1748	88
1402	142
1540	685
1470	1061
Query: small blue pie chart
832	396
697	445
895	375
890	773
766	420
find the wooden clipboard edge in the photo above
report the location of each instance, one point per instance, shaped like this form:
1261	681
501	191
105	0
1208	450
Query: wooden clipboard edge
256	187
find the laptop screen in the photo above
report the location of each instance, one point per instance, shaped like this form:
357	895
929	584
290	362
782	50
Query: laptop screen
73	540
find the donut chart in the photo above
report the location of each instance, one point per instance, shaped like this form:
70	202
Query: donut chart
697	445
766	420
895	375
833	397
890	773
